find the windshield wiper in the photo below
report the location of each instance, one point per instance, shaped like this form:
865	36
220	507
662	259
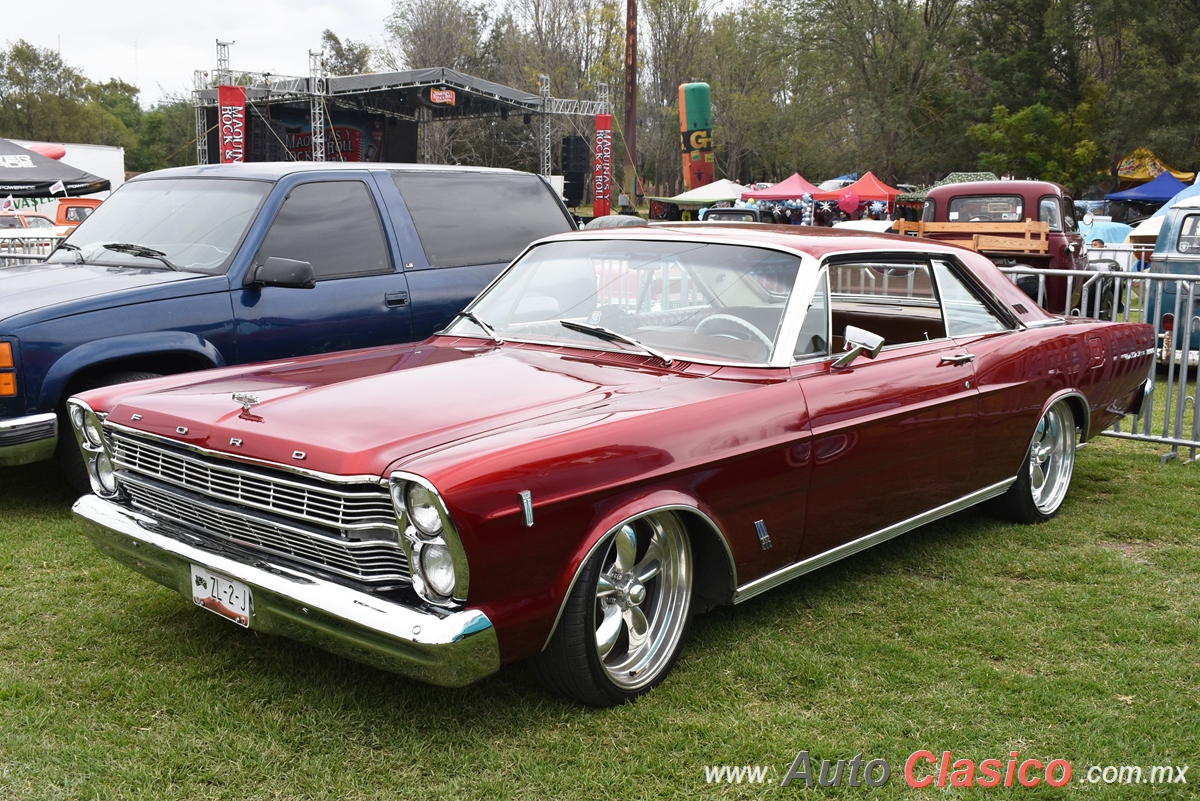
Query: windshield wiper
613	336
487	328
142	251
78	251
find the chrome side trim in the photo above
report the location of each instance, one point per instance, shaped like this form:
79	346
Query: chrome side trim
446	648
772	580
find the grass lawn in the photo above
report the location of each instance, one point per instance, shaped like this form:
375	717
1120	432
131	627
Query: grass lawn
1078	639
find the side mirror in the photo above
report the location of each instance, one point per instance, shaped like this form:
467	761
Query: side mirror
859	342
1088	219
278	271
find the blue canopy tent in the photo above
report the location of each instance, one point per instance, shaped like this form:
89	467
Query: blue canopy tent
1160	190
1185	193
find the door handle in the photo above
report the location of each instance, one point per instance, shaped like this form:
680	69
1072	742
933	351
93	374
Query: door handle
959	358
394	299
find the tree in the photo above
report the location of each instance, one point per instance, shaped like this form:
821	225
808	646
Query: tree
1039	143
40	96
344	58
435	33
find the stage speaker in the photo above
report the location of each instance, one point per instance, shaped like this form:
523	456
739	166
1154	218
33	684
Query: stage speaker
576	154
573	188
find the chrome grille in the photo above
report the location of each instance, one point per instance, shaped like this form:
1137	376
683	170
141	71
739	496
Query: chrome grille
346	530
343	507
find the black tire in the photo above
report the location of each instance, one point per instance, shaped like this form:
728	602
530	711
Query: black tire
70	458
640	576
1045	474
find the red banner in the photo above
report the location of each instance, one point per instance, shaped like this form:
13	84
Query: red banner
231	102
602	167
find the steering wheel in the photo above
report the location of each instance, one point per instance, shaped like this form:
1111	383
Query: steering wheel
739	322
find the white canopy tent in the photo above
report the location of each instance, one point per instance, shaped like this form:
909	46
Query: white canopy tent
715	192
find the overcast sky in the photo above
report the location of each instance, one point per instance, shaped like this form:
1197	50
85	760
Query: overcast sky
158	45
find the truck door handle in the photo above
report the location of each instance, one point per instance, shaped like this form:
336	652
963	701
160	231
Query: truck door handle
394	299
959	358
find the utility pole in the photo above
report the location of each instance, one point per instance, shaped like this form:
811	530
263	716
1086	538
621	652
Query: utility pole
630	133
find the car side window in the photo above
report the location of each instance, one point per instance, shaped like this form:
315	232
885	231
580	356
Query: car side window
966	315
814	331
334	225
1048	211
487	218
1189	234
894	300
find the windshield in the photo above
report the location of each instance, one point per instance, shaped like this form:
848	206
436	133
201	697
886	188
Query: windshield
195	223
987	208
687	300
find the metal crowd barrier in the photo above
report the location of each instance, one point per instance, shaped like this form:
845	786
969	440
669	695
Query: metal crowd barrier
26	249
1112	294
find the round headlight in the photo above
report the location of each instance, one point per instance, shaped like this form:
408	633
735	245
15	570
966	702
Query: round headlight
91	431
422	509
77	417
437	568
106	477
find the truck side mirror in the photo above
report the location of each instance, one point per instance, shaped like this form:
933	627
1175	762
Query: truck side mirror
278	271
859	342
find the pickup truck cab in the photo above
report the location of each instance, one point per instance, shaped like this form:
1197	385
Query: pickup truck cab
1014	223
72	211
740	214
198	267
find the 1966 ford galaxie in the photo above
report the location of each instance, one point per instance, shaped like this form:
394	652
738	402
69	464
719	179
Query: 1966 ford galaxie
626	428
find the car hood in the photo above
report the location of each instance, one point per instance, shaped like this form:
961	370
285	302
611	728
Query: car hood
36	286
363	411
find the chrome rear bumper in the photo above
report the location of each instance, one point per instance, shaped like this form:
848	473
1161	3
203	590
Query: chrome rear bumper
446	648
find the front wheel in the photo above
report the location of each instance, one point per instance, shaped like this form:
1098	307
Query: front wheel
1045	475
625	620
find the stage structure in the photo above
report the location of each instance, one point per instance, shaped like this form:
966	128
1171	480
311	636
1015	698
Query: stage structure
369	117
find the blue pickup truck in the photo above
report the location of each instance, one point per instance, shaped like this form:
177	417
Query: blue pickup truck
198	267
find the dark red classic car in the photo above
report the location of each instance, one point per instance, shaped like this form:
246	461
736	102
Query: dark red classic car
625	429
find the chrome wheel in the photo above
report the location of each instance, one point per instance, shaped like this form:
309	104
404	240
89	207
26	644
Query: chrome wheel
1052	458
641	601
625	619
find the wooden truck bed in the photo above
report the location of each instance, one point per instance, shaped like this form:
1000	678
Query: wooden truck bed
1030	236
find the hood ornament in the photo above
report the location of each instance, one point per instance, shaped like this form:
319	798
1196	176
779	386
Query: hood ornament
246	399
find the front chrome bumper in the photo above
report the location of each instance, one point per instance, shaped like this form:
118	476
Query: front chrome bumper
24	440
449	648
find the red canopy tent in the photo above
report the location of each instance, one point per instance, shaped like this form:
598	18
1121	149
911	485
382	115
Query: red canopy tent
792	188
867	188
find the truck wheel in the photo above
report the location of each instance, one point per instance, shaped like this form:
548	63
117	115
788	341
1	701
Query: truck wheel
70	458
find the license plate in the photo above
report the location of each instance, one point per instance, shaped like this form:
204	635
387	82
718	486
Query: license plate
221	595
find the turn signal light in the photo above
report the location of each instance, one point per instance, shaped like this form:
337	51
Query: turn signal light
8	385
6	357
1168	322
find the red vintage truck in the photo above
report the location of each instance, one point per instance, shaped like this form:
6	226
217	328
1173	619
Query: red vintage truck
1014	223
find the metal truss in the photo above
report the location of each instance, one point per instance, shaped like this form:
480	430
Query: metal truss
319	89
316	68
